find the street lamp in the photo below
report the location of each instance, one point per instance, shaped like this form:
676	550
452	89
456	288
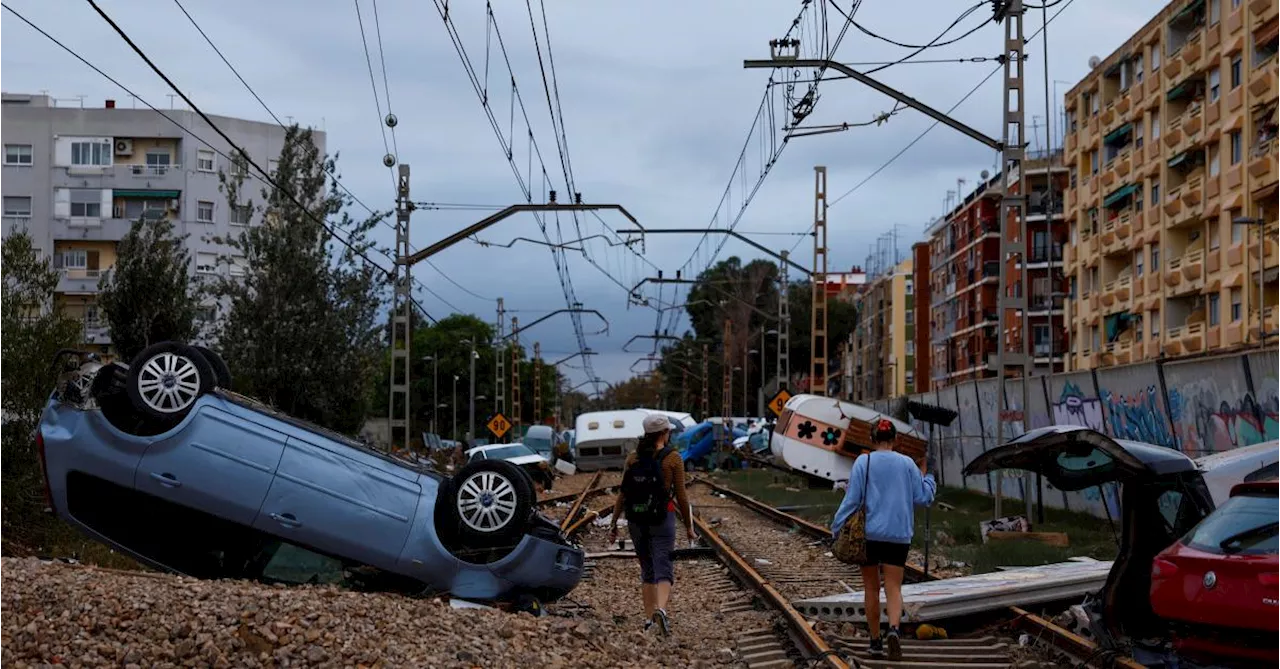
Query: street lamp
1249	220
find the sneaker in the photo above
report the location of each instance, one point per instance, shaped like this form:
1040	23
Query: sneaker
876	649
648	625
664	623
895	646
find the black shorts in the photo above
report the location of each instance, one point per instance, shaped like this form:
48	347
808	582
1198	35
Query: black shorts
886	552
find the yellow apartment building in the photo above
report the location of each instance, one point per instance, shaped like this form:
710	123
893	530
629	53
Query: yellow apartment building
1171	204
879	357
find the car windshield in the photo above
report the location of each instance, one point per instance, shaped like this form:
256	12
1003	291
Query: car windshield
539	444
507	452
1244	524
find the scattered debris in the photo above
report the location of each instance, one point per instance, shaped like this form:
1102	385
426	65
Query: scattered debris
944	506
1059	539
1006	524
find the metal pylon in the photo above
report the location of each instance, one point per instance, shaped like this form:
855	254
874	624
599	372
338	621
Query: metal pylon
726	407
515	377
706	392
500	360
784	325
537	383
818	338
401	318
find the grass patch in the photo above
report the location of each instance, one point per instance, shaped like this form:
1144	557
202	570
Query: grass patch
962	538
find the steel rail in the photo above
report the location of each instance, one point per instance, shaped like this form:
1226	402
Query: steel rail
805	634
577	503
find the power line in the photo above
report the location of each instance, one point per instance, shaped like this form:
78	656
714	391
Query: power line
377	102
386	88
882	38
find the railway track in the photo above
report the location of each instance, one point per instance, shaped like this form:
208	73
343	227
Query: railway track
782	564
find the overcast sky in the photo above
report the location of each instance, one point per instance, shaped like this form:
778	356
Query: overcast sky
656	107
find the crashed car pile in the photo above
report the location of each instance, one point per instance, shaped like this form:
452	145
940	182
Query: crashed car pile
161	460
1202	576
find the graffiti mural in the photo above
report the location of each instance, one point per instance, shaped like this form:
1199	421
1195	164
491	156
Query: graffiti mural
1222	425
1137	416
1075	408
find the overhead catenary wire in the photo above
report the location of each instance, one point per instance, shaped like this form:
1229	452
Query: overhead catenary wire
377	102
337	182
386	87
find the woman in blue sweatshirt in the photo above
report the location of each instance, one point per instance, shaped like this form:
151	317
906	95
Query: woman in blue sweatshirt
891	489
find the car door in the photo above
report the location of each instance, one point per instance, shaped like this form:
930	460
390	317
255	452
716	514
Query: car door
221	463
1070	457
340	500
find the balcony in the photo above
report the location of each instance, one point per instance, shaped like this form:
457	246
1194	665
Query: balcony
1193	265
1118	353
91	229
1044	253
1173	274
1263	9
1109	176
78	281
1125	102
1192	122
121	177
1192	51
1173	66
1109	115
1193	191
1124	163
1125	222
1173	134
1262	81
1069	256
96	332
1262	163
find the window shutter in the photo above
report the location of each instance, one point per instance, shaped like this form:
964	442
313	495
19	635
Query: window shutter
57	260
91	262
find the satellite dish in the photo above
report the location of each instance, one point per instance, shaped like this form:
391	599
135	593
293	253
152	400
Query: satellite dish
986	175
1094	62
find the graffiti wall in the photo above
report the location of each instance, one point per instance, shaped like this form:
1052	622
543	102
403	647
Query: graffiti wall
1074	401
1133	406
974	427
1211	407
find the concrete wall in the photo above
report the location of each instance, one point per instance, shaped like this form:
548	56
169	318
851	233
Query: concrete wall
1196	406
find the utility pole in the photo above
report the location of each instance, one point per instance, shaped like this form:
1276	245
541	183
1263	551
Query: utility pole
515	377
726	405
537	383
471	405
784	326
818	336
401	317
500	386
1013	212
706	393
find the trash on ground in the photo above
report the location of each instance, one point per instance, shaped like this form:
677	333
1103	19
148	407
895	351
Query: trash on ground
1059	539
455	603
1006	524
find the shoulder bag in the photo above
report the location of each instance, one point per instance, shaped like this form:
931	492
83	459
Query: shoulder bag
851	544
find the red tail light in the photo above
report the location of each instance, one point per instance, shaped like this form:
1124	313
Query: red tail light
44	471
1162	569
1270	578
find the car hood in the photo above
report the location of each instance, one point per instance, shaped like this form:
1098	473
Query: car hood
1074	458
523	460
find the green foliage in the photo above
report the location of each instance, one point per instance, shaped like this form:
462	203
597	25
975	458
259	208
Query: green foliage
301	332
34	330
149	296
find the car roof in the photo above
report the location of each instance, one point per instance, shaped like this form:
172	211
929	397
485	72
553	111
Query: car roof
538	430
1161	459
492	447
1267	487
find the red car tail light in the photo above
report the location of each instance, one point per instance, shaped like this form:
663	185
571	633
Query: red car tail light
44	471
1270	578
1163	569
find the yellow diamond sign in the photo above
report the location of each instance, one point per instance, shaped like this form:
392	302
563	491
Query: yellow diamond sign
779	402
498	425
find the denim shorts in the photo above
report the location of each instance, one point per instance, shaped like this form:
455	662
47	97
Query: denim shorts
654	544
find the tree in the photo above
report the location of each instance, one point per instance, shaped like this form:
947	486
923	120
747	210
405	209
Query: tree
149	296
34	330
302	330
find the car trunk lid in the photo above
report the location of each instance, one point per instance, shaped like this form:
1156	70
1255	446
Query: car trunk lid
1070	457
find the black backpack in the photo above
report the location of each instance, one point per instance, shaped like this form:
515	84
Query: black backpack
644	494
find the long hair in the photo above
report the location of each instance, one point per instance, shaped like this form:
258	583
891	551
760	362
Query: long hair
648	444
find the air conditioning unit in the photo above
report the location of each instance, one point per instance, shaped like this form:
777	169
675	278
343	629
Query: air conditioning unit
124	147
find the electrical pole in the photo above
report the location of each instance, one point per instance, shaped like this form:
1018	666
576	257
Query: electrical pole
726	405
500	386
515	377
471	405
784	326
706	393
1013	212
401	316
537	384
818	336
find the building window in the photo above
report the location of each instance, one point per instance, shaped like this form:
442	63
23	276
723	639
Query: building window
1155	126
1237	231
1214	310
1237	64
1137	67
1137	262
1235	4
204	211
204	160
1155	193
1215	12
241	214
910	287
95	153
911	347
1237	148
1215	84
911	380
86	203
1214	163
1155	257
1093	161
206	314
1096	336
17	154
239	165
134	209
17	205
1155	59
1215	236
1236	308
1095	102
75	259
206	263
238	266
1154	318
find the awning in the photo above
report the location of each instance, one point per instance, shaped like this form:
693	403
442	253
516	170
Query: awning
1266	32
1195	6
1119	194
148	194
1178	91
1178	159
1118	133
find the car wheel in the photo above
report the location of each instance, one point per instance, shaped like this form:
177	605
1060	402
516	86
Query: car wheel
488	503
220	369
167	378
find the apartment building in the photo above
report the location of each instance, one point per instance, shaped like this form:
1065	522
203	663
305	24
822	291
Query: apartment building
963	249
1171	142
879	357
76	178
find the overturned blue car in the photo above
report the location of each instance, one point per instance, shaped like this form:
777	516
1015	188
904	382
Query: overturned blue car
162	461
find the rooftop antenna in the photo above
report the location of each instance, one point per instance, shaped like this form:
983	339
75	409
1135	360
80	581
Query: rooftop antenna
171	97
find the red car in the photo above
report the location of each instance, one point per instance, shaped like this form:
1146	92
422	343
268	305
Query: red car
1218	585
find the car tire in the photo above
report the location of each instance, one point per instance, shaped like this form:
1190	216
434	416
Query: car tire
166	379
487	504
220	369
